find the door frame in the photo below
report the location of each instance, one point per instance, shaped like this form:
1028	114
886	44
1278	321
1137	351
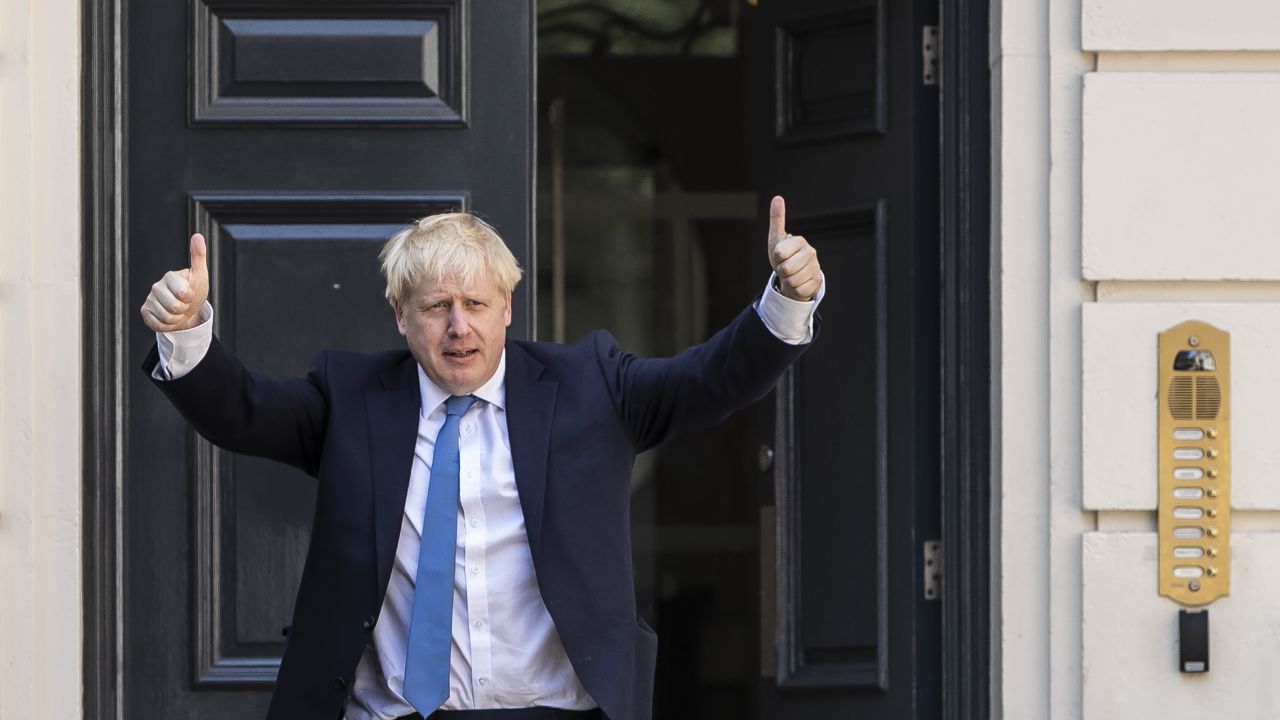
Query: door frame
966	360
104	265
965	371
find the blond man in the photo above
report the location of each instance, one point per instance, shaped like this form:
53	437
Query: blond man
470	554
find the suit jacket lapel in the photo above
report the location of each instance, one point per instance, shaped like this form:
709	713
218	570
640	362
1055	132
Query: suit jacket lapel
530	405
393	413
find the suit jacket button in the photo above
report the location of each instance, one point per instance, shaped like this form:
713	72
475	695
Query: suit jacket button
368	623
339	684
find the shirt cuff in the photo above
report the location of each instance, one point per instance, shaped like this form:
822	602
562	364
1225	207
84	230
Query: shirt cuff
791	321
182	350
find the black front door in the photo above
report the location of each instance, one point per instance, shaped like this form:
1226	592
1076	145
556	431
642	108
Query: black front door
297	135
846	128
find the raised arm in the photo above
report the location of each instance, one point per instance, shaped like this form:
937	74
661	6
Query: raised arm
658	397
233	408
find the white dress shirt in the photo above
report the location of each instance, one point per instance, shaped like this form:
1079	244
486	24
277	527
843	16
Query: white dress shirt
506	652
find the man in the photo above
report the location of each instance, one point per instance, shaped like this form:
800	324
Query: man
470	553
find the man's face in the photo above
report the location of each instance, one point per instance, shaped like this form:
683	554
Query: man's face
456	331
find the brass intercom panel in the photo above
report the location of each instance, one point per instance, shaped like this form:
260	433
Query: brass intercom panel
1195	463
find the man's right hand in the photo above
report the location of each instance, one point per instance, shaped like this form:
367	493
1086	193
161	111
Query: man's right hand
176	299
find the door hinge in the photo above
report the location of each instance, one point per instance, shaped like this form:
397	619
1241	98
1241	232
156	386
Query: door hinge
931	55
933	570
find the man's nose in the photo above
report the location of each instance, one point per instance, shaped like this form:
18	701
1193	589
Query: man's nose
458	325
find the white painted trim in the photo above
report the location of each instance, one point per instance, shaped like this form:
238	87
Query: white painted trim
40	379
1067	523
1020	332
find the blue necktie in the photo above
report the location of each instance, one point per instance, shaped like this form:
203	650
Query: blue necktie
426	667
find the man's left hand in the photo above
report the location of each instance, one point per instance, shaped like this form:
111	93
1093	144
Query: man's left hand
792	257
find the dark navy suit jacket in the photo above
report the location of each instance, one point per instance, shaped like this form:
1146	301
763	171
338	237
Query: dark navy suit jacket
576	414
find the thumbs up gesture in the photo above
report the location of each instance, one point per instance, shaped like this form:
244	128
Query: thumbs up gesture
175	300
792	257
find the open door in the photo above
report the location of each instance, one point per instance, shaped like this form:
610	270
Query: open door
847	131
780	556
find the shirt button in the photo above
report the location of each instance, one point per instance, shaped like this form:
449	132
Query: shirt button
467	427
475	523
478	623
483	681
475	569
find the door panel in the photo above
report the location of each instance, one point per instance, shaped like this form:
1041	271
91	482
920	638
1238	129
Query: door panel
832	471
252	516
843	131
297	136
300	62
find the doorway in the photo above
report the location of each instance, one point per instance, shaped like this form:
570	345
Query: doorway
783	556
648	225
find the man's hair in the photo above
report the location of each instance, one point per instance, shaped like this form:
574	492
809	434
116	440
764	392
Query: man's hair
450	246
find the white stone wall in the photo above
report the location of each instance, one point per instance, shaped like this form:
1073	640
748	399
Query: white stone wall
1137	174
1175	167
40	327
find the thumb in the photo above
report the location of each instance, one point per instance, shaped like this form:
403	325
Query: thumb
777	218
199	266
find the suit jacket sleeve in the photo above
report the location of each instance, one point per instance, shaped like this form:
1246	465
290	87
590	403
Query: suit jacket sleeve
659	397
248	413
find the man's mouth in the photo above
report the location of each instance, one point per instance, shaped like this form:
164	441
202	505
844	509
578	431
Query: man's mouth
460	353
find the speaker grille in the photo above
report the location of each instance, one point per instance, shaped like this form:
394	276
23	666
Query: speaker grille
1208	398
1197	398
1180	398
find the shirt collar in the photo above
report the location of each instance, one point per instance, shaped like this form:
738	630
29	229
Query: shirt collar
494	391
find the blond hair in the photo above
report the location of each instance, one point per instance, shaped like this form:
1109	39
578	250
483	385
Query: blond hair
450	246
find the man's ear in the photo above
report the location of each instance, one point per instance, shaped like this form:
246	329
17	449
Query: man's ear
506	315
399	318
